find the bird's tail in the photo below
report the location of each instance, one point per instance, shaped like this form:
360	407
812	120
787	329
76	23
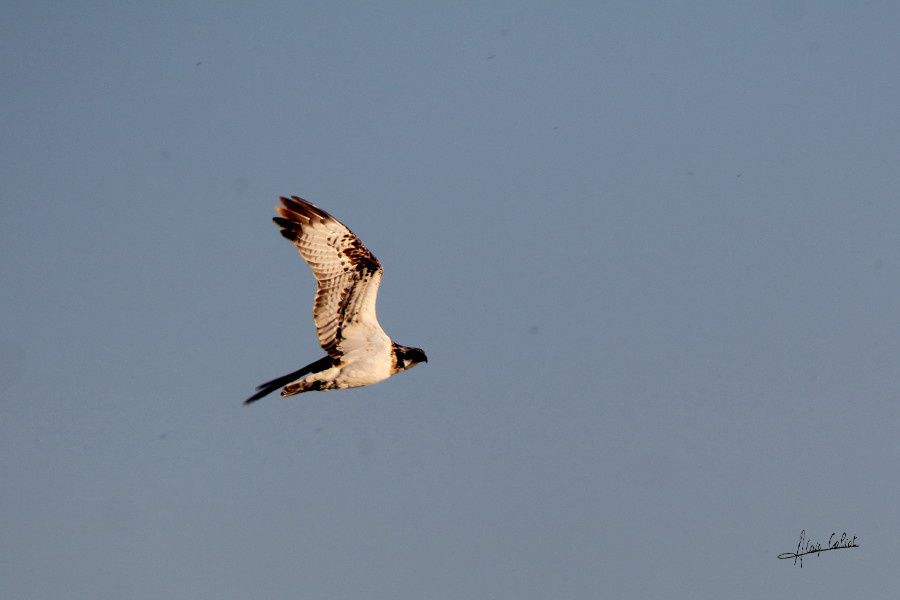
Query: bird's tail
264	389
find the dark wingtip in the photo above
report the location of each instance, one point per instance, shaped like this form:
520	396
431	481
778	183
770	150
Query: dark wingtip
289	229
305	207
295	204
260	394
264	389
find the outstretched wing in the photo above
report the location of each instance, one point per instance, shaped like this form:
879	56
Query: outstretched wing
348	274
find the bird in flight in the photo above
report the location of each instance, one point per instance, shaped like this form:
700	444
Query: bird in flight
358	351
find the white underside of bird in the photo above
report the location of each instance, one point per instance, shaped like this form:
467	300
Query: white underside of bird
348	275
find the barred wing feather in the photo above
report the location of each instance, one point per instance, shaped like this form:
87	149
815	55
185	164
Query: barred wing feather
347	274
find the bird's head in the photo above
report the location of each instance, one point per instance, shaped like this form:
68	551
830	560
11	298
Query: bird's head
408	357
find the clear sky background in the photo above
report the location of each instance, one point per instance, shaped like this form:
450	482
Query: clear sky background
652	250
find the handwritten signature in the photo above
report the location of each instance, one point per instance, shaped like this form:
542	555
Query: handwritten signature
806	546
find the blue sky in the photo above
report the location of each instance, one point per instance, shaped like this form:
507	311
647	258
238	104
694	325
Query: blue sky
651	250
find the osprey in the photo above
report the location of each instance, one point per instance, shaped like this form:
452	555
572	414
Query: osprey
359	352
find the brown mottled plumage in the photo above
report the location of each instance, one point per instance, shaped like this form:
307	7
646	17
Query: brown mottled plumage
348	276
